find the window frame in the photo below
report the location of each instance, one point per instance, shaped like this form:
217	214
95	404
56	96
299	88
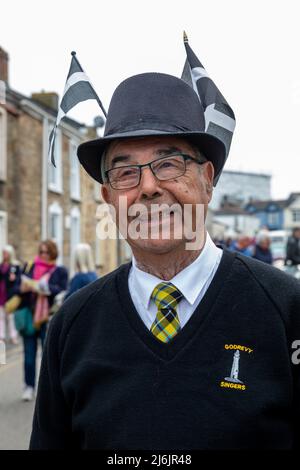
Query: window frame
56	210
3	239
57	185
75	192
3	144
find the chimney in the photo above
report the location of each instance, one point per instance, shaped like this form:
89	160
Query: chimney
4	59
49	99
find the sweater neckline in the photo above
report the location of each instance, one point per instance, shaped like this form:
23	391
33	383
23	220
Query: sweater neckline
167	351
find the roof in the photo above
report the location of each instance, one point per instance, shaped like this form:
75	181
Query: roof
15	98
231	210
247	173
262	205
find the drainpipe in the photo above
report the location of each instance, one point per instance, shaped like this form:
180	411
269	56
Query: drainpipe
44	202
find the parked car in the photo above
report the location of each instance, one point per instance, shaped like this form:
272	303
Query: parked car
278	246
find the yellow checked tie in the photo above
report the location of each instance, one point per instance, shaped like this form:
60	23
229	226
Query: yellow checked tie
166	324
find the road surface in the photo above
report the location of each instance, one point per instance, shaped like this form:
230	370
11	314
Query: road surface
15	415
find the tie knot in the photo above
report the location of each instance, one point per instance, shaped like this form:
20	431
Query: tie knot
166	295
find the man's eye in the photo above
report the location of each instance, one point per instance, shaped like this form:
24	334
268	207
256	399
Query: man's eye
167	164
125	173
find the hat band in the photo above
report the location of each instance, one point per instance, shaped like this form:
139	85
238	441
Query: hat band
147	124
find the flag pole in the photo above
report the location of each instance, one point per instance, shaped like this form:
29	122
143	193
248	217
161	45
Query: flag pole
73	53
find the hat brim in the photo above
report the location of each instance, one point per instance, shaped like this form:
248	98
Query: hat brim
90	152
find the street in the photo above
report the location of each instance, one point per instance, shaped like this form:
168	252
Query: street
15	415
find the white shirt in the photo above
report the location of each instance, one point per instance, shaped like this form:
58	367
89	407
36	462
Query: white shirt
193	282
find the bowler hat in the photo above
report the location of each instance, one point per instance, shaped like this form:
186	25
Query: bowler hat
153	104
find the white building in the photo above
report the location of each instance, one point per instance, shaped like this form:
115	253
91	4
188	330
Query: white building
241	187
237	220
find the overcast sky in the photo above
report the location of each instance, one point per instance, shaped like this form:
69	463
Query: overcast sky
250	49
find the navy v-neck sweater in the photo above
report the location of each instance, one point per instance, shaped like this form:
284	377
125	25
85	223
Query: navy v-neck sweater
226	381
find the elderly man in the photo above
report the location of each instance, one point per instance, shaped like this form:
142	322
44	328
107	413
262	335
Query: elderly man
182	348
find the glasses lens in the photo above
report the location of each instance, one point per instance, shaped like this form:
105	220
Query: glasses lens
124	177
170	167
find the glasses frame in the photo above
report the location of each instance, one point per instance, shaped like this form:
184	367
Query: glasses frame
185	156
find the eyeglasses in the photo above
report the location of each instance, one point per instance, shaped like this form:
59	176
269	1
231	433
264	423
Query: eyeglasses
43	252
164	169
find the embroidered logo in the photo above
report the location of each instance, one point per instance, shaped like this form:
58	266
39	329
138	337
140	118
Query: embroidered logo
234	381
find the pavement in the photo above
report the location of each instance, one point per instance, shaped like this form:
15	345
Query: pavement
15	415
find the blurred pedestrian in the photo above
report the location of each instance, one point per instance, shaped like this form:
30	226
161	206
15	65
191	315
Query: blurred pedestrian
85	267
243	245
293	249
262	250
9	282
42	282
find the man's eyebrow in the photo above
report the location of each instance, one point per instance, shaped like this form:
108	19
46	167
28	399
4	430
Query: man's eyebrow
119	158
167	151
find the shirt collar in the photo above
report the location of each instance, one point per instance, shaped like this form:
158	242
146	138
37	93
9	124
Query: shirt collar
199	269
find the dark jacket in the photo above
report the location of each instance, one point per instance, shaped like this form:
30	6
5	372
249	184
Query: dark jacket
80	280
12	287
293	251
230	379
263	255
58	282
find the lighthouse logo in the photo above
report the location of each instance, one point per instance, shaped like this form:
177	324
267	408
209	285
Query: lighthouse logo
234	374
233	380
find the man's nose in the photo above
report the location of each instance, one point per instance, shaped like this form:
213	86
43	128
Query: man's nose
149	184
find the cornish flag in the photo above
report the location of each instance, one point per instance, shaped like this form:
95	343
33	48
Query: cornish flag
78	88
219	117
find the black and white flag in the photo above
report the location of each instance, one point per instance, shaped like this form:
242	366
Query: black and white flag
219	117
78	88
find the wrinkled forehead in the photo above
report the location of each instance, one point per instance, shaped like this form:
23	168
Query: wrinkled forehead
140	146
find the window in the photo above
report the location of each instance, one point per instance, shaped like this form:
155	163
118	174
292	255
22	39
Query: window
55	227
3	230
3	150
74	229
273	218
55	173
296	215
74	171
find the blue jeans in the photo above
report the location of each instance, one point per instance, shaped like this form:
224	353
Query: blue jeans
30	350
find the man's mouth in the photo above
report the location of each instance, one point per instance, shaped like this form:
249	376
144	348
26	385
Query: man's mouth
155	216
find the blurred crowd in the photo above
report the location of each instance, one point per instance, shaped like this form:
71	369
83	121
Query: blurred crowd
31	293
260	248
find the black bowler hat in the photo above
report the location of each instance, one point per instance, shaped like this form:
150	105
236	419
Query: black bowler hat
152	104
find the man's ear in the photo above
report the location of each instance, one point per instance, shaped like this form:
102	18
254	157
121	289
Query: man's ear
209	176
105	193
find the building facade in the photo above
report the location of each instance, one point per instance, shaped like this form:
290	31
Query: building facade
240	187
38	201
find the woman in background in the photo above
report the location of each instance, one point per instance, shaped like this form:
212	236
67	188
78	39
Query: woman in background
262	250
85	267
9	282
43	281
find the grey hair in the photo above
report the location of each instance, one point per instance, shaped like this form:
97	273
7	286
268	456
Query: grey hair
262	236
83	259
102	166
199	155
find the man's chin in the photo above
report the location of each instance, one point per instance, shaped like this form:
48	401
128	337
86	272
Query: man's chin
156	246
